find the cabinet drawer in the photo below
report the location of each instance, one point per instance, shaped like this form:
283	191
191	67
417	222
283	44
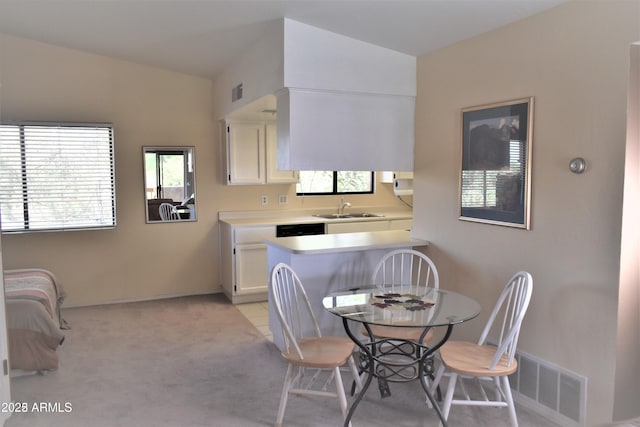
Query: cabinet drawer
254	234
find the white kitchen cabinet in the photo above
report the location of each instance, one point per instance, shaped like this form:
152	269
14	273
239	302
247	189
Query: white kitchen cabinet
251	278
245	153
389	177
251	149
244	262
275	176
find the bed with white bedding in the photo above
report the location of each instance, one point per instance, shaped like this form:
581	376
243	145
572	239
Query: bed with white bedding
34	321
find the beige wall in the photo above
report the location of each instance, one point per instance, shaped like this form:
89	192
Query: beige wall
147	106
574	61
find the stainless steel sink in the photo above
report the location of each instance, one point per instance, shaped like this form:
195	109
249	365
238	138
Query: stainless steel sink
333	216
366	215
349	215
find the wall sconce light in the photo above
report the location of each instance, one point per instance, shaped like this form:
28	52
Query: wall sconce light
577	165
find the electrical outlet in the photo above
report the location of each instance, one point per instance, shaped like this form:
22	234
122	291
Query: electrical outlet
283	199
264	200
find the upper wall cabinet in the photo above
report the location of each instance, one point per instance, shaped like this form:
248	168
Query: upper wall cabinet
251	154
245	153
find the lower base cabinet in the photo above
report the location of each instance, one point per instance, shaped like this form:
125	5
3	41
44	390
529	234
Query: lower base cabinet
244	262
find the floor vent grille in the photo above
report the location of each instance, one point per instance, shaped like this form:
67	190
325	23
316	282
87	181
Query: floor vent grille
555	392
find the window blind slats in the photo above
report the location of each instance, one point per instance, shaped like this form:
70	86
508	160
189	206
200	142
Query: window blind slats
480	188
56	177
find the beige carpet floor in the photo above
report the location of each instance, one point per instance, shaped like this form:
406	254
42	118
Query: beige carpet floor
196	361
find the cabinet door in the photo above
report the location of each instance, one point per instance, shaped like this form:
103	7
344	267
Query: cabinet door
275	176
251	269
245	153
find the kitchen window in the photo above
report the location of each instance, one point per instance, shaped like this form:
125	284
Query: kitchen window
56	176
314	183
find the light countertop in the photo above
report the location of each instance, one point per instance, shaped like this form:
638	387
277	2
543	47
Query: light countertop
306	216
346	242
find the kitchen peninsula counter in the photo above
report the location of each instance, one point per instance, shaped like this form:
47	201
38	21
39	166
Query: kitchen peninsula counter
331	262
244	250
346	242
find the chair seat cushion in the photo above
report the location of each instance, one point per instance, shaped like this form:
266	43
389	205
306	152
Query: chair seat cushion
398	332
468	358
321	352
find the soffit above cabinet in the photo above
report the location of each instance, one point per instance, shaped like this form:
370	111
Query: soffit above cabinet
321	60
263	110
342	104
346	104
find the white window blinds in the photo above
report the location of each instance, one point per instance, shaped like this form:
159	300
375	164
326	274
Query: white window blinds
56	176
496	188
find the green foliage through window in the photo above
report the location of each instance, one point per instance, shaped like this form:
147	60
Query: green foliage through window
335	182
56	176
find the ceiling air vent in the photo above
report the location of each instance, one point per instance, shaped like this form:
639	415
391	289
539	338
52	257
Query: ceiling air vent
236	93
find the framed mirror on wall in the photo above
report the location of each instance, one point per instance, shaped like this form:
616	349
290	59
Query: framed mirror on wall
169	184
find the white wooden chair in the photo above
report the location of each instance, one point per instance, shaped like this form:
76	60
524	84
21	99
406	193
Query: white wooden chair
485	362
399	268
304	346
168	212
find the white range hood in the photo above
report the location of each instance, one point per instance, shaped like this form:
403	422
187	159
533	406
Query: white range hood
342	104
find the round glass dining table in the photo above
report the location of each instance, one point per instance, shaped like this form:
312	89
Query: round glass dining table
402	306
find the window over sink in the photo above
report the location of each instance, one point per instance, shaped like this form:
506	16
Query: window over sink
316	183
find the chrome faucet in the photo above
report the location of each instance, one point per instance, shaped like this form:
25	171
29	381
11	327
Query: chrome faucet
343	205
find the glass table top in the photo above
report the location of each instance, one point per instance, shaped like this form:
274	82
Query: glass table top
402	306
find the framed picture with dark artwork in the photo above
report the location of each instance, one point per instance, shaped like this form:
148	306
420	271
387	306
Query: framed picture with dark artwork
495	178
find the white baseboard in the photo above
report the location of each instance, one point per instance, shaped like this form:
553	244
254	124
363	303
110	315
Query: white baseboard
154	298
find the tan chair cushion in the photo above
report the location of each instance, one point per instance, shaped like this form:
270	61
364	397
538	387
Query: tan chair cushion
468	358
323	352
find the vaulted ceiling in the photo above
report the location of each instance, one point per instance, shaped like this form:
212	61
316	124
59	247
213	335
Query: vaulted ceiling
200	36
